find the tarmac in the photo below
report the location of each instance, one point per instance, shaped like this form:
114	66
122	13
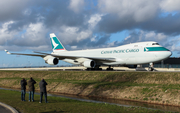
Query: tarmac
4	108
81	68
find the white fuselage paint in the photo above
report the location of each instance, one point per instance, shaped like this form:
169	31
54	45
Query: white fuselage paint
130	54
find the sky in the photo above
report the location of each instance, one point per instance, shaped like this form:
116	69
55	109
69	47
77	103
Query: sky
25	26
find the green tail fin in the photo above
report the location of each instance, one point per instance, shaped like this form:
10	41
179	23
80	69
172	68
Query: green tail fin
56	44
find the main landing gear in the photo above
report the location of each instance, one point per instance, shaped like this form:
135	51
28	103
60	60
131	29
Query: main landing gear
109	68
98	69
94	69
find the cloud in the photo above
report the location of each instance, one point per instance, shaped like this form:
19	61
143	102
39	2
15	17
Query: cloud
76	5
140	36
33	37
139	10
170	5
173	44
12	9
82	24
71	35
6	35
73	47
94	19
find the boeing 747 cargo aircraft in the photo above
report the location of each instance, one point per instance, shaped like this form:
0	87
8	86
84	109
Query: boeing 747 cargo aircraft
130	54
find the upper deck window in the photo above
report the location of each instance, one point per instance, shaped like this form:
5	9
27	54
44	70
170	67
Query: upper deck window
155	44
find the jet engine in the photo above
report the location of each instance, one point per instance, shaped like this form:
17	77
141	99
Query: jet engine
51	60
89	63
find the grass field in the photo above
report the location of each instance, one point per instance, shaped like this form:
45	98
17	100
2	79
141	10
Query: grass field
151	87
63	105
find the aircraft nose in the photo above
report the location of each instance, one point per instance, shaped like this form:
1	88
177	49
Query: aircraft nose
170	53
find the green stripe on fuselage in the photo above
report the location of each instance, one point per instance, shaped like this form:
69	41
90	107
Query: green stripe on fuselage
155	49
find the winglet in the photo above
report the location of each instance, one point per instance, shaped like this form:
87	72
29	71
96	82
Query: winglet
7	51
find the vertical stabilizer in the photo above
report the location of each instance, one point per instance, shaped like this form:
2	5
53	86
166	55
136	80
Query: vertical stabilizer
56	44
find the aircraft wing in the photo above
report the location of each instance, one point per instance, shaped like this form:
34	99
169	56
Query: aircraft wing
101	59
40	54
76	57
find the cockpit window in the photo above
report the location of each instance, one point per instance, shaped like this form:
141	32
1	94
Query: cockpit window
155	44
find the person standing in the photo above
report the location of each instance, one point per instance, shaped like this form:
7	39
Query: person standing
42	85
31	83
23	89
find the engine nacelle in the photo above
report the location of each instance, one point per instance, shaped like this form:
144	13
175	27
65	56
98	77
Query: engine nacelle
51	60
89	63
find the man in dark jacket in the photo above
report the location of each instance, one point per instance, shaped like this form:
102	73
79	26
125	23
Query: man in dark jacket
31	83
42	85
23	89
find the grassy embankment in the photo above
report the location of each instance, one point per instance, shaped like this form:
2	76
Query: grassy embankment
152	87
63	105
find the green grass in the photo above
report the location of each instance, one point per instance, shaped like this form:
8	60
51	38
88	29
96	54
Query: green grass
59	105
147	85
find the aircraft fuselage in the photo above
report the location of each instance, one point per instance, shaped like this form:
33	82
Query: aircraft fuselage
130	54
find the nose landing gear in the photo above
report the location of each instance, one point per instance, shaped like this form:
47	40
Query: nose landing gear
151	67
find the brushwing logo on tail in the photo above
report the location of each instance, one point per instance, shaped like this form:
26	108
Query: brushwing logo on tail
56	45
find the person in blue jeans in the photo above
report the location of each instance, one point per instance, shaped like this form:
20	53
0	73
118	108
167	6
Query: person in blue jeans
31	83
23	89
42	85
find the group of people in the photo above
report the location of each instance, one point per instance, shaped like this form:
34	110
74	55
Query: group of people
30	83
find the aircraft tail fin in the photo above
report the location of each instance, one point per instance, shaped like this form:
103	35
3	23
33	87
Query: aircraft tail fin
56	44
